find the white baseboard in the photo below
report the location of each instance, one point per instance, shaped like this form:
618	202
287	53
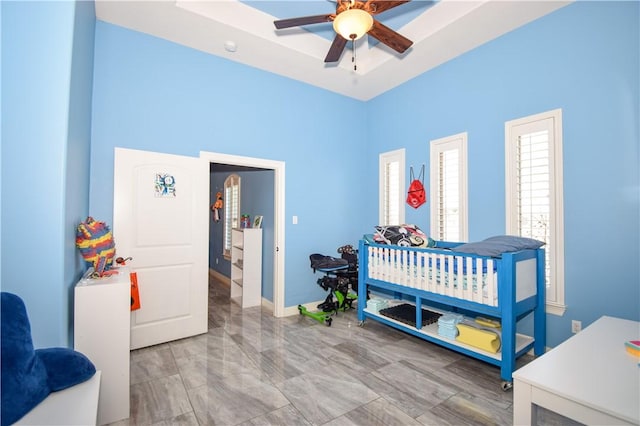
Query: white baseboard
293	310
267	304
220	277
227	281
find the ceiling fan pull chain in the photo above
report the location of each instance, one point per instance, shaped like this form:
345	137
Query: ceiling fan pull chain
353	56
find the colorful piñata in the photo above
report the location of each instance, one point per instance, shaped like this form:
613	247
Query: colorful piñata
95	241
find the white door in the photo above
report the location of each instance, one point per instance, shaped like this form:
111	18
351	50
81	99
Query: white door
160	219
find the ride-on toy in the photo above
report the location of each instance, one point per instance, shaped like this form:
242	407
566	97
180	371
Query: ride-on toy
341	276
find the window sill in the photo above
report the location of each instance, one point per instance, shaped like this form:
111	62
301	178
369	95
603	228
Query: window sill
555	308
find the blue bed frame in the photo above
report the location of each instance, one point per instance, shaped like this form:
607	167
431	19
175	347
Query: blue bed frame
508	311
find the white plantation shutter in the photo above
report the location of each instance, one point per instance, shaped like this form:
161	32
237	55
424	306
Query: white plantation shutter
534	192
392	188
231	209
392	194
449	196
533	185
448	185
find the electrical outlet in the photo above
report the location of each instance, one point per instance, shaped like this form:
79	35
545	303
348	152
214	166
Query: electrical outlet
576	326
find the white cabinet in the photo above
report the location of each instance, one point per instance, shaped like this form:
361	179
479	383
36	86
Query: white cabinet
246	266
101	332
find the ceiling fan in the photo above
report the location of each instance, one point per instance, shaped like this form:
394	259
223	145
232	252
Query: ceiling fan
352	20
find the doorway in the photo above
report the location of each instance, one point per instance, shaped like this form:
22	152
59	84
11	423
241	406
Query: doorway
277	248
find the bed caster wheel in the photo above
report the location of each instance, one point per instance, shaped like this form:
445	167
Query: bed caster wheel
361	323
506	386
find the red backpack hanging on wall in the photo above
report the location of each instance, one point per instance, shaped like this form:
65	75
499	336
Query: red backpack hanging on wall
416	195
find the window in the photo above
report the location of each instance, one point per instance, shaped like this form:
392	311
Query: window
448	187
534	199
391	188
231	210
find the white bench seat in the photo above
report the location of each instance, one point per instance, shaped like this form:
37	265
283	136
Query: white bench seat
74	406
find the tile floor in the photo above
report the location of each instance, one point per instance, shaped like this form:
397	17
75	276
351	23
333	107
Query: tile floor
254	369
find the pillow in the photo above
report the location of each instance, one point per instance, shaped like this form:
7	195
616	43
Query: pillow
65	367
28	376
368	239
495	246
402	235
24	375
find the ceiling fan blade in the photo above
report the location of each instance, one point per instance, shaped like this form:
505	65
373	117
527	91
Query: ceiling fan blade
378	6
303	20
386	35
335	51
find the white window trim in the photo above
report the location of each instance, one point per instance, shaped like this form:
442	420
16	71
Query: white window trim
557	306
232	179
384	159
459	142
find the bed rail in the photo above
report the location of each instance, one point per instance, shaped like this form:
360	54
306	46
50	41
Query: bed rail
463	276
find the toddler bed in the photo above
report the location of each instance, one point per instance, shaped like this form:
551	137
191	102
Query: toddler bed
501	278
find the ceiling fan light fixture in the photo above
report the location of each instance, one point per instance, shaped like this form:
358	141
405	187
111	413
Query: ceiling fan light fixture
352	24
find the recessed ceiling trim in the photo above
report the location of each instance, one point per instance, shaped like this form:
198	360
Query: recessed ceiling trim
444	31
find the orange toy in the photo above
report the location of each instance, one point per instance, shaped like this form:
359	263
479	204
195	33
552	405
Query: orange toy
217	206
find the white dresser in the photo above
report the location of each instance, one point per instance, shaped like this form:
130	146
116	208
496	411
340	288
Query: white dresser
590	378
102	317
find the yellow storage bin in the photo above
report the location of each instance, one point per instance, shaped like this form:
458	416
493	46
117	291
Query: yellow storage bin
481	339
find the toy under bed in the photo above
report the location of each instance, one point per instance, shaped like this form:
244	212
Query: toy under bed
506	287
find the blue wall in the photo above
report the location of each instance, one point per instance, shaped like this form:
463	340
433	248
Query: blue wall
584	58
1	135
154	95
46	105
